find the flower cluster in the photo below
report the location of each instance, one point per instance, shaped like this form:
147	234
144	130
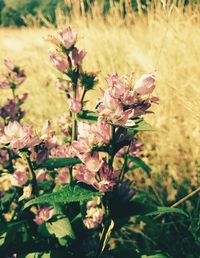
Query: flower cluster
121	102
86	156
94	216
14	77
44	215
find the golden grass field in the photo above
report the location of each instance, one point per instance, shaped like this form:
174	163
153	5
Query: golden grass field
166	42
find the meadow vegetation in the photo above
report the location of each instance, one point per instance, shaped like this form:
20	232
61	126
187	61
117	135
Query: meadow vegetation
164	40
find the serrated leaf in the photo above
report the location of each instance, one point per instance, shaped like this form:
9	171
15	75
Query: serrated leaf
58	163
87	115
141	164
166	210
66	194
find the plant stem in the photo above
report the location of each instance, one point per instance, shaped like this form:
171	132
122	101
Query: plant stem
74	128
10	161
34	180
124	166
13	93
185	198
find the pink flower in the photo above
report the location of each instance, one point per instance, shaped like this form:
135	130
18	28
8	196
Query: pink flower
9	64
112	110
78	56
41	175
80	147
108	178
75	104
19	178
19	136
27	192
82	174
146	84
62	151
63	176
93	218
116	87
61	63
104	179
44	215
92	162
67	37
4	85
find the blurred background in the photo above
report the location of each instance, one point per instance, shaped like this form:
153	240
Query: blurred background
128	37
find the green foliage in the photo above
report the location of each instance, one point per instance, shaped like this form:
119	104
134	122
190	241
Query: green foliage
60	228
87	115
140	164
140	125
53	163
66	194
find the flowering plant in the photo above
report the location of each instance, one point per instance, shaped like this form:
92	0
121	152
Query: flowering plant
75	191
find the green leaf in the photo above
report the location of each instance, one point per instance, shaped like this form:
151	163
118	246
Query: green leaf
36	255
60	228
87	115
141	164
58	163
141	125
88	80
8	231
136	208
66	194
154	256
105	237
166	210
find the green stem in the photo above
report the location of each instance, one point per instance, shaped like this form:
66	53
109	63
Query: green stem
124	167
74	128
10	161
13	93
34	180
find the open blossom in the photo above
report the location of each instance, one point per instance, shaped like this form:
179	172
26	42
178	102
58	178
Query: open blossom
117	87
113	112
60	62
44	215
67	37
78	56
93	218
120	105
95	134
104	179
19	136
146	84
19	178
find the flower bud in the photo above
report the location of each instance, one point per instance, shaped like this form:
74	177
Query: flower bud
146	84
